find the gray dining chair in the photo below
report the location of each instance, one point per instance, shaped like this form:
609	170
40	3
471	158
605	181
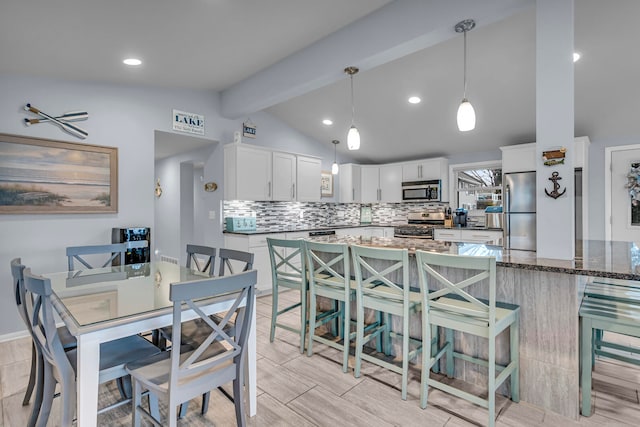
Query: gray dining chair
177	376
67	340
197	330
193	259
59	367
114	251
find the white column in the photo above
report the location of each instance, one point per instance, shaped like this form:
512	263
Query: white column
555	127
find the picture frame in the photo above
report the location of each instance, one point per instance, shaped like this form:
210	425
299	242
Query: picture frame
326	184
44	176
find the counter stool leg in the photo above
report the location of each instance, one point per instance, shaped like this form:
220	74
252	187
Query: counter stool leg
514	341
303	316
360	339
274	312
586	349
449	337
435	338
492	382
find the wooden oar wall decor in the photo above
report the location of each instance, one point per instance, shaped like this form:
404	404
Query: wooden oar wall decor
62	121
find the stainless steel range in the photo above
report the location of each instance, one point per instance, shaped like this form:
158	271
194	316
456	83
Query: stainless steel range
421	224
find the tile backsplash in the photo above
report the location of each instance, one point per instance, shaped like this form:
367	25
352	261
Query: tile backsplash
275	216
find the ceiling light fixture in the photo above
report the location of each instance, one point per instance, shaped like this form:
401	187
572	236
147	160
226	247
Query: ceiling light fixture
334	167
414	100
576	56
132	61
466	115
327	122
353	136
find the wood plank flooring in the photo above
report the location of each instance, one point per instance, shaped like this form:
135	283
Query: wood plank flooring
296	390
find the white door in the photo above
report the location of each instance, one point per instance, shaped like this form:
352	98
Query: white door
625	217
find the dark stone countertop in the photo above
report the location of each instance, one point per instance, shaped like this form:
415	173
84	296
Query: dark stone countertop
616	260
298	229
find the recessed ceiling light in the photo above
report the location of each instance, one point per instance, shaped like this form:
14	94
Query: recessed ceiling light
576	56
132	61
414	100
327	122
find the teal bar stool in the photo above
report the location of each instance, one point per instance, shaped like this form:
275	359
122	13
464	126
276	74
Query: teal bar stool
382	278
449	305
330	277
611	307
288	270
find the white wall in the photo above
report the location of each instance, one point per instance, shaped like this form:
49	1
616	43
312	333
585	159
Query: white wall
124	117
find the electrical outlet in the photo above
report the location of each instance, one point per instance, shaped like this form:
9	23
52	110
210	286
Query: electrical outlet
212	214
301	214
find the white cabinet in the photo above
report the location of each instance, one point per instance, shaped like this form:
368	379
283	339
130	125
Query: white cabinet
369	180
257	244
381	183
349	179
391	183
255	173
519	158
308	179
446	234
493	237
284	176
380	231
247	173
354	231
426	169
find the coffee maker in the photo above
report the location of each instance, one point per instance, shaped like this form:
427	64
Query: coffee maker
460	218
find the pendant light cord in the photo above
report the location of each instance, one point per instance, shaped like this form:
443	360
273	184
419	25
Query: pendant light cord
353	105
464	93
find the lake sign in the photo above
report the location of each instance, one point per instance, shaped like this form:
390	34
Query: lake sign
188	122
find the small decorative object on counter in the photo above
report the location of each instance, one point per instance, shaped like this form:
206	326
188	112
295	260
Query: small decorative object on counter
555	177
554	157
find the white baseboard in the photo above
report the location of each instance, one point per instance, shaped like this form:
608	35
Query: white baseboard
14	336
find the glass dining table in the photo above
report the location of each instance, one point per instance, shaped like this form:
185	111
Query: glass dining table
103	304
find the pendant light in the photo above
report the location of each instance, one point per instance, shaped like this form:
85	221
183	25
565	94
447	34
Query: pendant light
353	136
466	114
334	167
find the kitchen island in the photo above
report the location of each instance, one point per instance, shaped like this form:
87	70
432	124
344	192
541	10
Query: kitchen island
548	292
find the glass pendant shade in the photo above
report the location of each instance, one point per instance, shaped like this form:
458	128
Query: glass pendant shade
466	116
335	168
353	138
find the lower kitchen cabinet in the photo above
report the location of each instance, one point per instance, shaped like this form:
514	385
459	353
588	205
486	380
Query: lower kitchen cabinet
258	245
493	237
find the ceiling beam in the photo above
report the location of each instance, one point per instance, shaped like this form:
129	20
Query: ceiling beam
398	29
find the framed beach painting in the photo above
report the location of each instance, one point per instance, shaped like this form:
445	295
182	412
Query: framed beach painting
46	176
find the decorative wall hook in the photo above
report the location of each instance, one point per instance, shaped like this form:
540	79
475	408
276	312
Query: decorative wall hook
62	121
555	177
554	157
158	190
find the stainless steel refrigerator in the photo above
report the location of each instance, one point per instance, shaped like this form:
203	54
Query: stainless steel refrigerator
520	210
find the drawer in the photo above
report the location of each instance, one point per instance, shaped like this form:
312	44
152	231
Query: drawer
445	234
261	239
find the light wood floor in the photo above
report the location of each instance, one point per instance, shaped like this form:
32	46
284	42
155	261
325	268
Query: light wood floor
296	390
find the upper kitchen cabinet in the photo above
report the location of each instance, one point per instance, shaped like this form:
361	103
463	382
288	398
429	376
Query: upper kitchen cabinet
349	178
308	179
522	157
284	176
381	183
254	173
247	173
424	170
519	158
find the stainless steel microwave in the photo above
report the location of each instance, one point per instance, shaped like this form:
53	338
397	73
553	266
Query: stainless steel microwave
421	191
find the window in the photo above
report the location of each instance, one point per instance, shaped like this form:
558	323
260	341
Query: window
478	186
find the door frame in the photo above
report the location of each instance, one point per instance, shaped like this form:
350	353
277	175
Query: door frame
608	151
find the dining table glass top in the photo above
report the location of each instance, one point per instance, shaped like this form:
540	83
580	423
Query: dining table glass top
101	295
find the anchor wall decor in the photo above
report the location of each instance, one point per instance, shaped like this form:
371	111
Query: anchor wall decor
62	121
555	177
